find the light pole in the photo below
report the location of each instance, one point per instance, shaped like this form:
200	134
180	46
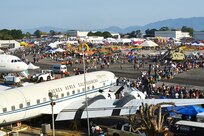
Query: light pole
52	103
83	49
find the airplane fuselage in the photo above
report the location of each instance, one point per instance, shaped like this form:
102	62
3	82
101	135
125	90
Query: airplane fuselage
30	101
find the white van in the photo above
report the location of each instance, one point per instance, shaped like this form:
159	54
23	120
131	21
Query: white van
58	68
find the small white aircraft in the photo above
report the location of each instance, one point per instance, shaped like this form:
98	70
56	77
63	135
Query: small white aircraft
30	101
11	64
127	105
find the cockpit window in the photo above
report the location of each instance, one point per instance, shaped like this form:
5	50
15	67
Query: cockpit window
15	60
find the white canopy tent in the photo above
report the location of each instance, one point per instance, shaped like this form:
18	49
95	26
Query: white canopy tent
31	66
149	43
59	50
124	40
52	45
55	44
197	44
201	44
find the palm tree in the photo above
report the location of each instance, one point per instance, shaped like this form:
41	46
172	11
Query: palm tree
151	119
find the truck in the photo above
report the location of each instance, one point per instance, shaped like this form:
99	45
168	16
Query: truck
45	75
124	130
12	80
58	68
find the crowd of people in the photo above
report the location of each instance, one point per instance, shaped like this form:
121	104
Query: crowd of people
151	90
155	72
152	68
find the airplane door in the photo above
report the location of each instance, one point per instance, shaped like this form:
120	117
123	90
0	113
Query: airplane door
28	103
22	105
1	111
2	65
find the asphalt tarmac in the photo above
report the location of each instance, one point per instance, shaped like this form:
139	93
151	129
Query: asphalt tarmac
191	79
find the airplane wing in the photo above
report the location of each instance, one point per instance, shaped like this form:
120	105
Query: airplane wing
80	103
125	106
57	109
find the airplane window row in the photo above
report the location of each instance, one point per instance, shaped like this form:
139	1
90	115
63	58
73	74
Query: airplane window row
44	99
14	108
15	61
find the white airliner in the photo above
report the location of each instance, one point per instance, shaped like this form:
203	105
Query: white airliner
30	101
11	64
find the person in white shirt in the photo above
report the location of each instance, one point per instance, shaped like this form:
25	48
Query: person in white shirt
176	95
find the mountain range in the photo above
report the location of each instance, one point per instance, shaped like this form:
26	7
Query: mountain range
197	23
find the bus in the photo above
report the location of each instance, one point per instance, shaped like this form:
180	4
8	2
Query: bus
189	128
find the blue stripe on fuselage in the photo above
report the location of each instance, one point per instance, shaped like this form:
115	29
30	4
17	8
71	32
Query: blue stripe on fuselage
57	101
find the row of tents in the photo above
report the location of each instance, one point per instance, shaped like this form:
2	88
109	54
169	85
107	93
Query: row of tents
147	43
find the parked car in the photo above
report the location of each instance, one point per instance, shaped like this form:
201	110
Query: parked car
11	80
46	75
58	68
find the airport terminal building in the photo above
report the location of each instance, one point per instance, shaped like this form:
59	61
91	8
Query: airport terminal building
172	34
77	33
83	34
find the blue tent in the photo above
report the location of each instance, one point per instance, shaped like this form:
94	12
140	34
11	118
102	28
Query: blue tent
173	110
190	110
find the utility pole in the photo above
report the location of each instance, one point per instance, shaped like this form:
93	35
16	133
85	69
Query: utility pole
52	103
86	99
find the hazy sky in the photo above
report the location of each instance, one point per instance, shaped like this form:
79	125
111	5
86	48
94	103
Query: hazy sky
93	14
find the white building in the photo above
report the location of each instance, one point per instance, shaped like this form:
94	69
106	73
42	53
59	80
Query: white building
8	44
117	35
77	33
172	34
198	35
95	39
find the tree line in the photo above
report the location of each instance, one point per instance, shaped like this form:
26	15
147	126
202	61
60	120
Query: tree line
105	34
6	34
